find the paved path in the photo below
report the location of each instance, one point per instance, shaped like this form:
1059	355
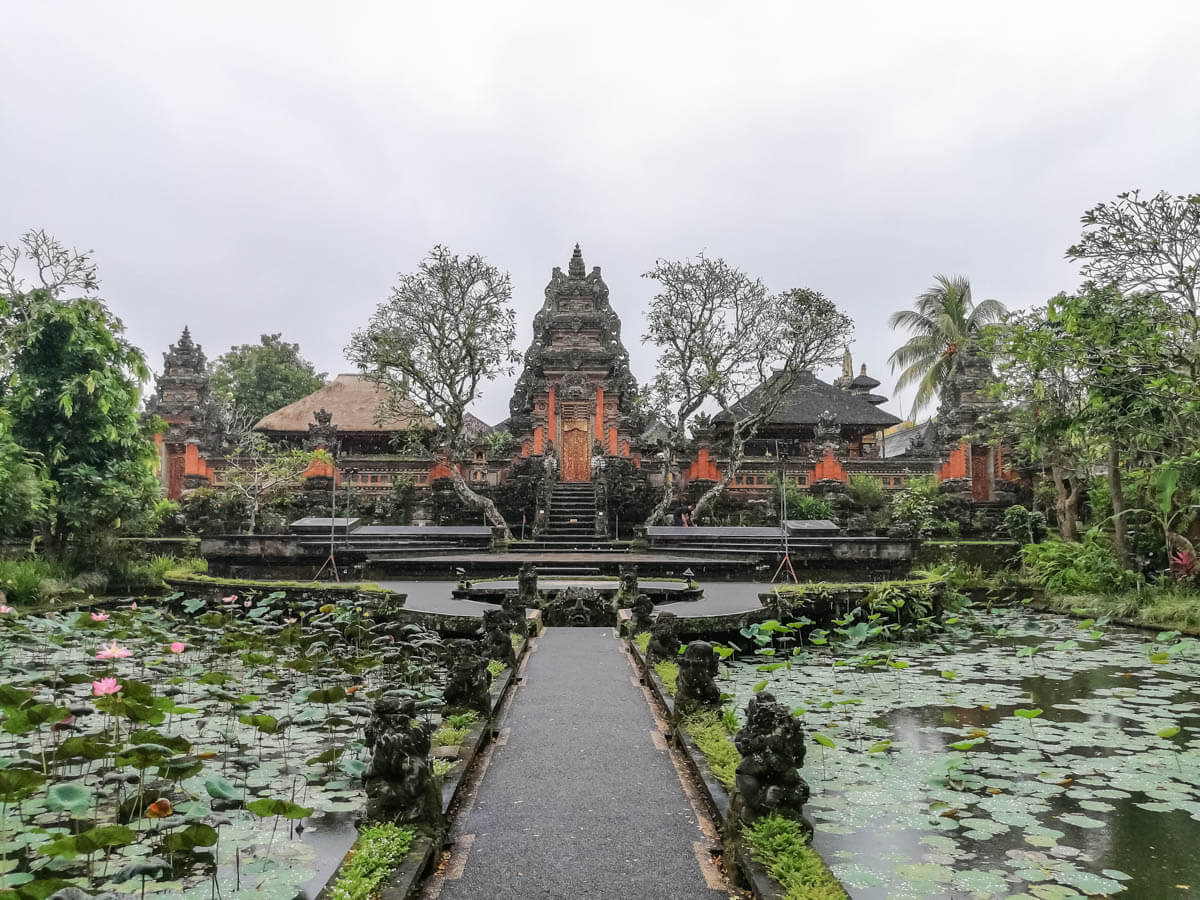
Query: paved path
581	799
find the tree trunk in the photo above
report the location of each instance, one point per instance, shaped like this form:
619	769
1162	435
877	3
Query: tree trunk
1066	501
1120	529
668	496
253	504
737	454
485	503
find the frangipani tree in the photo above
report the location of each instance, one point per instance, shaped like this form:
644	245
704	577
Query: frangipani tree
446	329
721	334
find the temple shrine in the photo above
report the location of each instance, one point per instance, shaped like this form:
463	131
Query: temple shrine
574	397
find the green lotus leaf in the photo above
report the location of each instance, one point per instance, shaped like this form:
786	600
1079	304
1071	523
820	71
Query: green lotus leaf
274	806
221	789
69	796
17	784
332	694
105	837
191	837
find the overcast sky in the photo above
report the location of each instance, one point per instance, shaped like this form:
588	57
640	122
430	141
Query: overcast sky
256	167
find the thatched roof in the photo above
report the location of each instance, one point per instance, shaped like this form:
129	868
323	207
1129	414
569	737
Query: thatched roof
354	401
809	399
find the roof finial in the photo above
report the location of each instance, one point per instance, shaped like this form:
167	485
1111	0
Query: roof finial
576	269
847	363
185	339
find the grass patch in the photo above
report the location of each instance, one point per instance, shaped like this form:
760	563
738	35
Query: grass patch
443	767
642	639
668	673
454	729
708	731
1154	607
782	847
378	851
516	639
495	667
183	578
819	586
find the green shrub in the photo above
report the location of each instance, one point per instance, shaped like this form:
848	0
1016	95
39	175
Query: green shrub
378	850
21	579
914	513
35	580
800	504
782	846
1025	525
867	491
1087	567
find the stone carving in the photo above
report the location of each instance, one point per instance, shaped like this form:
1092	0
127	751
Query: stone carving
469	678
664	638
497	628
514	609
697	684
527	588
580	608
643	613
628	590
772	747
827	430
322	432
577	347
399	780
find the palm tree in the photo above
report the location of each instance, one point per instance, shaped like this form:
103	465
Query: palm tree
944	320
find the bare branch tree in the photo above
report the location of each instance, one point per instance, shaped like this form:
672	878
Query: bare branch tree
55	266
1147	245
259	470
721	334
446	329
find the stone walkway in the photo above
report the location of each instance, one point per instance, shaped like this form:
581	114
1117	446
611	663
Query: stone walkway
580	797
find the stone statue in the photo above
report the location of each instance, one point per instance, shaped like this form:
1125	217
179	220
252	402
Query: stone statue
527	585
664	638
772	747
697	683
399	780
643	613
628	590
469	678
514	609
497	627
579	607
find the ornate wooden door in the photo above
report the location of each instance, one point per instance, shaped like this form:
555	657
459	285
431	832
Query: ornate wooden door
576	452
981	464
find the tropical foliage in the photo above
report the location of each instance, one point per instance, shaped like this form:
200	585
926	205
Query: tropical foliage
944	320
257	379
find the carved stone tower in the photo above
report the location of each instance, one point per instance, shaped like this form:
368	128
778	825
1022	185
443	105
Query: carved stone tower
574	398
182	397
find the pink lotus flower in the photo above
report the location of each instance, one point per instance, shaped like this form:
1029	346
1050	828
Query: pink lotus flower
99	617
5	609
246	604
133	605
289	621
112	651
230	599
105	686
177	647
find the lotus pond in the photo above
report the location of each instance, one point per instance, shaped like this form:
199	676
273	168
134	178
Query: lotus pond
1033	756
212	752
